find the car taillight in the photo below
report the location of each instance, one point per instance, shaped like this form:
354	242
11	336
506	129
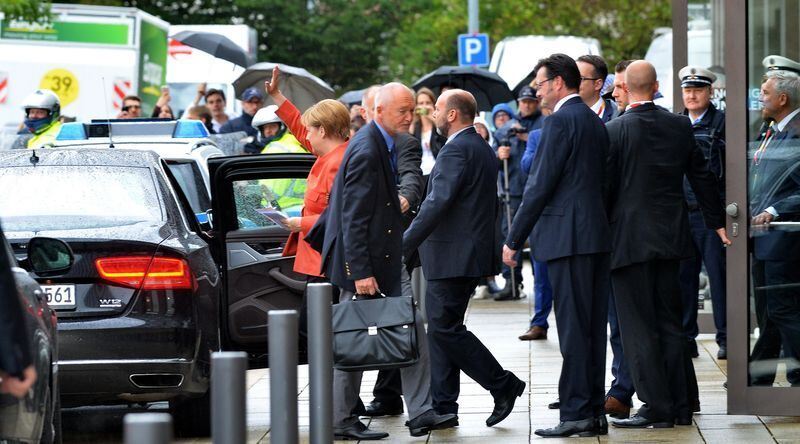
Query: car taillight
157	273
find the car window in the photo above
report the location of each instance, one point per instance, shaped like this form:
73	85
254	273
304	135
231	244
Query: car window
258	201
189	178
77	197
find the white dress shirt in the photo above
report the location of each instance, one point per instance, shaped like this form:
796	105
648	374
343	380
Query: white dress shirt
563	101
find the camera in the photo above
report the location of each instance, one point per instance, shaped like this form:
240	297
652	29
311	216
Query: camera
125	109
513	131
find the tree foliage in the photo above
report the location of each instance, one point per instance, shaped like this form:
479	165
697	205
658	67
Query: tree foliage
354	43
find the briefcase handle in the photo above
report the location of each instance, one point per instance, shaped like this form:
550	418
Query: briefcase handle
356	296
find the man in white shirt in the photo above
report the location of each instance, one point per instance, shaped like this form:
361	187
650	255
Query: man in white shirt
593	74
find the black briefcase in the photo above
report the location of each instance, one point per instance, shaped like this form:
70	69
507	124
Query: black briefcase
375	333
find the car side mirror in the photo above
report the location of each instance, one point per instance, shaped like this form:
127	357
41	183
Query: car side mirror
48	256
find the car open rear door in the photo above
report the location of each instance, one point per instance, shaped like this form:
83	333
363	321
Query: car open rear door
247	193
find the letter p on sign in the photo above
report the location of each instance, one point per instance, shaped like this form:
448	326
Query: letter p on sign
473	50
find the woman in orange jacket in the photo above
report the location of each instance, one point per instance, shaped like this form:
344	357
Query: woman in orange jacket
324	130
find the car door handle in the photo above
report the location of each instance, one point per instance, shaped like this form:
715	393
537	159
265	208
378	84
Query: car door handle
292	284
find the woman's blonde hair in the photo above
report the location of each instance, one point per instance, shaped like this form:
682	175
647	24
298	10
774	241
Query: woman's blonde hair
331	115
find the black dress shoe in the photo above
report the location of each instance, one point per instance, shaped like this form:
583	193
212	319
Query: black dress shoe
564	429
430	420
555	405
602	425
722	353
384	408
504	403
640	422
683	420
693	348
357	432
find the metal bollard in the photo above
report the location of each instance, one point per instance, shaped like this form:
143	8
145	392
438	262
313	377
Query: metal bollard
283	344
228	397
148	428
320	362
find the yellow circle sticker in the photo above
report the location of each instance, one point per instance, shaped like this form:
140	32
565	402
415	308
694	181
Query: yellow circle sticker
63	83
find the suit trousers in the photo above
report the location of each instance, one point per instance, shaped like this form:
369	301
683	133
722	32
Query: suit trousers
650	313
542	295
711	253
622	384
580	292
415	381
453	348
777	305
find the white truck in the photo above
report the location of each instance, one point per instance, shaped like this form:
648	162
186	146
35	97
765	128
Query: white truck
515	57
90	56
187	67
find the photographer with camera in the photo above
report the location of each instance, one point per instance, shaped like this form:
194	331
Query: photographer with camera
131	108
510	141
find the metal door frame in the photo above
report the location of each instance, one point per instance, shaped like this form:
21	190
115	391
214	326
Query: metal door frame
742	398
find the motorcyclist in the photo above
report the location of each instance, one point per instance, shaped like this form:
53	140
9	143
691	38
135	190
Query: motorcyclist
272	138
42	112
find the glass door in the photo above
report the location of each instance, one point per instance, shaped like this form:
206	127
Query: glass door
763	96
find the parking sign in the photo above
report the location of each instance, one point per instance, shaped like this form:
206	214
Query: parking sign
473	50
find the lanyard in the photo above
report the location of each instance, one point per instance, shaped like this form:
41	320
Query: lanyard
764	143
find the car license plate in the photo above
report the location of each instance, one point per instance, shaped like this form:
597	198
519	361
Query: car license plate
60	296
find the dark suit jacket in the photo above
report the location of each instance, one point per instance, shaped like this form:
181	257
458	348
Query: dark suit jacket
563	200
409	158
610	111
776	183
651	151
363	223
456	230
436	140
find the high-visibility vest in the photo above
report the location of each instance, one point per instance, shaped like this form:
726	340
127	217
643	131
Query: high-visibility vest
45	138
287	143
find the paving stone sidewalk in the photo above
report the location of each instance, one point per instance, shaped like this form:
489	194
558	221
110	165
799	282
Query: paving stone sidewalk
538	363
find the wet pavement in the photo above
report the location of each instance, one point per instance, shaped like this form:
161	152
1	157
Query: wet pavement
538	363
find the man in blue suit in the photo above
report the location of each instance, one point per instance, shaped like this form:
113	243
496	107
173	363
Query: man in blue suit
563	204
454	230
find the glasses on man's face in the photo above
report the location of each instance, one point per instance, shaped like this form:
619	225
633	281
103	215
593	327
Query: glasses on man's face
134	106
589	78
540	84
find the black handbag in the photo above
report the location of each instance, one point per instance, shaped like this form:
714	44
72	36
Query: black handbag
376	333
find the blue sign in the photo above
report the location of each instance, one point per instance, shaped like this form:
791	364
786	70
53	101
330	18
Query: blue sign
473	50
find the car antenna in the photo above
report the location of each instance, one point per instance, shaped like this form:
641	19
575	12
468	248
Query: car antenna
34	159
108	118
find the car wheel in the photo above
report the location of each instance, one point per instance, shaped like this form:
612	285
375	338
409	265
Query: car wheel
51	430
191	417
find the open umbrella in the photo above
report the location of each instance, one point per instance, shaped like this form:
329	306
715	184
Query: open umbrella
487	87
217	45
524	82
298	85
351	98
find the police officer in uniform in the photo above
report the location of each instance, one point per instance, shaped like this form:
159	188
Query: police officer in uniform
42	111
774	249
708	124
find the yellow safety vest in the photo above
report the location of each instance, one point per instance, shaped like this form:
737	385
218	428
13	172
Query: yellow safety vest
46	138
287	143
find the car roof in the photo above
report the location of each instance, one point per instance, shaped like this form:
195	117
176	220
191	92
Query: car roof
79	157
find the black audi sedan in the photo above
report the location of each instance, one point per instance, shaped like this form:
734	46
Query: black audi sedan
36	416
155	287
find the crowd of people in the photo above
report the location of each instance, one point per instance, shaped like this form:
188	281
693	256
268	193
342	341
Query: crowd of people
620	201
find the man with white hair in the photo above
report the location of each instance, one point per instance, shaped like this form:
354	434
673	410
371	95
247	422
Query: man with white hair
362	254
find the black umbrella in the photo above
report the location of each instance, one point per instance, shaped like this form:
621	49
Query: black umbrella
217	45
524	82
488	88
351	98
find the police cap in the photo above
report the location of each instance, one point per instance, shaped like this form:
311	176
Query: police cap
693	76
780	63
